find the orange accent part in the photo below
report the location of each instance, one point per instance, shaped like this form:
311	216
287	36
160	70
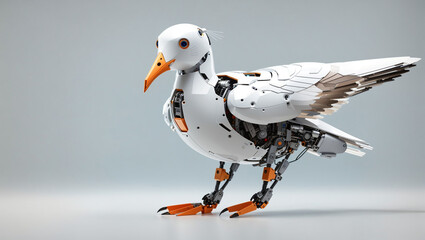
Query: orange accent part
268	174
192	211
227	76
251	207
180	210
208	208
221	174
303	143
158	67
181	123
239	206
279	143
290	150
263	205
174	207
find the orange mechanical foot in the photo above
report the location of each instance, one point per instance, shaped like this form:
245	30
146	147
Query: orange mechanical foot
241	209
210	200
258	200
187	209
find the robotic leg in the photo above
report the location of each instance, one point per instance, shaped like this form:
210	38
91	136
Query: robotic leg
210	200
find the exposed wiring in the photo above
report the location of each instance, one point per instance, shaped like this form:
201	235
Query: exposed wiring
300	155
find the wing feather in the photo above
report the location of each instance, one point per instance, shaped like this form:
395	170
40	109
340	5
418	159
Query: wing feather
337	86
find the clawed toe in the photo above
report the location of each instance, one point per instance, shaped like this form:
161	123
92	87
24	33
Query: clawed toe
187	209
180	208
223	211
240	209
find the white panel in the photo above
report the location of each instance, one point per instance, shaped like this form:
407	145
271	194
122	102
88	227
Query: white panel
309	81
298	84
204	109
363	67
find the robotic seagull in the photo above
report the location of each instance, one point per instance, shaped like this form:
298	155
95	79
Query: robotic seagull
259	117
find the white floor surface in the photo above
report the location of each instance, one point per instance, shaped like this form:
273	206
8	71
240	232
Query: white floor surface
131	214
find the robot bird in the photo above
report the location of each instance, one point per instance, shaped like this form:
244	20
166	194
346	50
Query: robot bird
259	117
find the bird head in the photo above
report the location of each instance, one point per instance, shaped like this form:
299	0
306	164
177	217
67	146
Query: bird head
180	47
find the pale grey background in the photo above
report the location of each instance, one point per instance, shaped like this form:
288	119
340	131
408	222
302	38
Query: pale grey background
74	118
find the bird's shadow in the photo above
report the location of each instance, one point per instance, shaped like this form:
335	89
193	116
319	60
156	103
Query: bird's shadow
332	212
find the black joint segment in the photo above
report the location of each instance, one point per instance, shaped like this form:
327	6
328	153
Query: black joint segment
234	215
204	76
223	211
234	167
161	209
166	213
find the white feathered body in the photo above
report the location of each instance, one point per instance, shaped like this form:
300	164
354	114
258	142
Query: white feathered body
298	93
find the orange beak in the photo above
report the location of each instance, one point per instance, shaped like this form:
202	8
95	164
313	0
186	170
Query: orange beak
158	67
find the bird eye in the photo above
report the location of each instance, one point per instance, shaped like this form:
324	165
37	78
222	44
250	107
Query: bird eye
200	32
156	43
184	43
